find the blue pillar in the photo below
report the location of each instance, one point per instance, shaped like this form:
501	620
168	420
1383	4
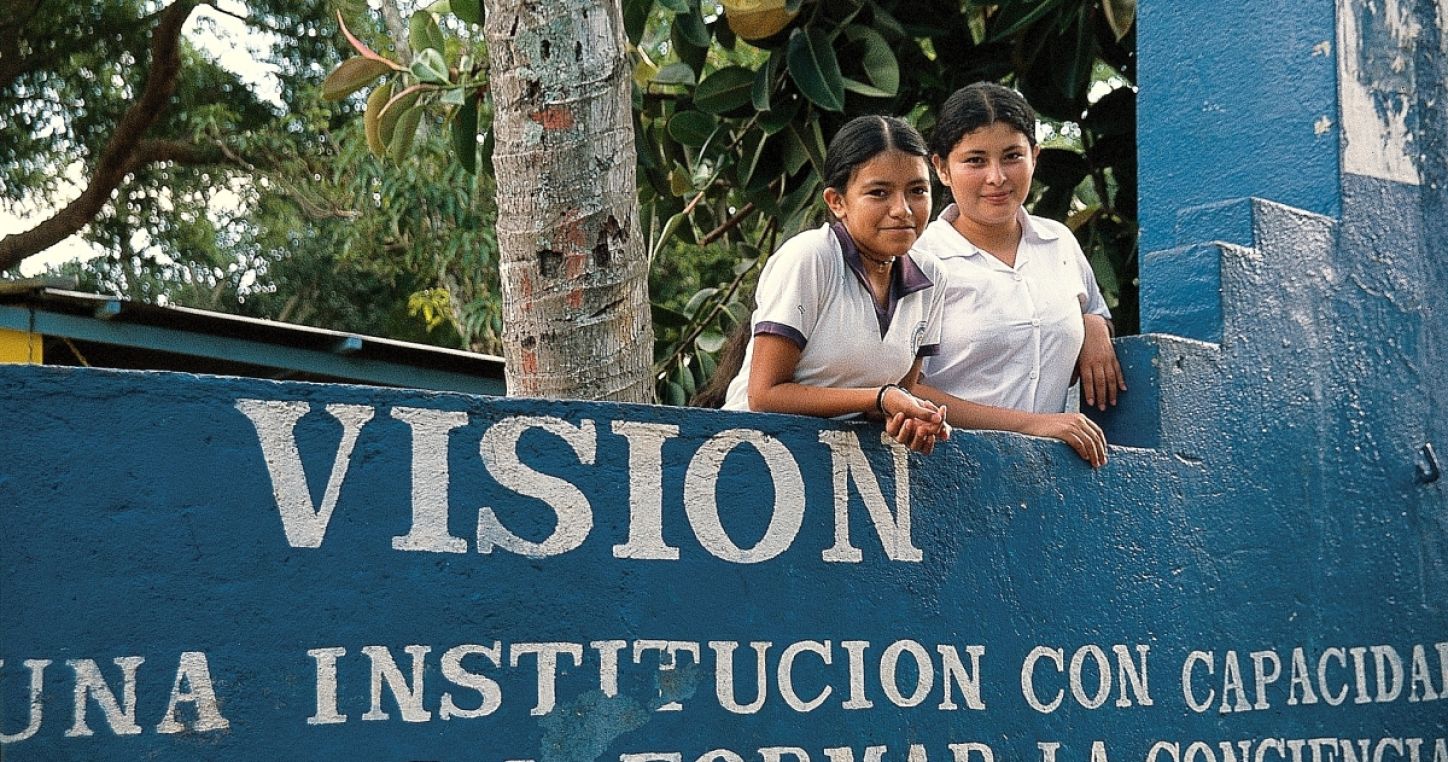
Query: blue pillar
1237	99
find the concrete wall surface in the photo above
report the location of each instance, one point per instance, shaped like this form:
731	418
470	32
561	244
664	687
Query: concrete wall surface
205	568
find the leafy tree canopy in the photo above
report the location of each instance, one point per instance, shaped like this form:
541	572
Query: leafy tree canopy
369	209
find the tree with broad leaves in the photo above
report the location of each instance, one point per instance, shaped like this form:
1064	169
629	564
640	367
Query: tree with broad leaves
731	103
733	99
240	194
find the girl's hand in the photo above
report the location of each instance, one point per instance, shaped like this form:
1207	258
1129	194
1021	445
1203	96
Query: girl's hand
1076	430
913	422
1101	376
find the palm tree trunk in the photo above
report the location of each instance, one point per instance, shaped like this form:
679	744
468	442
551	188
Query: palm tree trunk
576	320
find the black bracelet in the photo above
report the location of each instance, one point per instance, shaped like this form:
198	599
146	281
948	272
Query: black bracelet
880	397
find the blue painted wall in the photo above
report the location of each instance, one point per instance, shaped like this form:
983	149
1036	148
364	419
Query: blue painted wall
141	521
1233	97
1270	490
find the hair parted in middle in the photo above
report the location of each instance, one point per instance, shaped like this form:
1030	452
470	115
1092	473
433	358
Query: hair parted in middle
978	105
862	139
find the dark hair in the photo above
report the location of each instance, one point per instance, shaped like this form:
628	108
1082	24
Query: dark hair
980	105
731	359
862	139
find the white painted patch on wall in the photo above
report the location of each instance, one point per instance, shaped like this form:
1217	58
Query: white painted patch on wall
1374	104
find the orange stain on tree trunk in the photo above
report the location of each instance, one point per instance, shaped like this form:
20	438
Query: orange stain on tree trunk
572	231
553	118
573	264
525	291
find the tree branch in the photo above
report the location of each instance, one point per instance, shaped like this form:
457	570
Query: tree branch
308	206
250	20
121	154
181	152
728	225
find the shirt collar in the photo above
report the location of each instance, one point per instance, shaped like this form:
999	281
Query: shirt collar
1030	231
906	278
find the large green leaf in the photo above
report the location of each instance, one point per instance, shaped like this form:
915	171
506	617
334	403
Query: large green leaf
681	180
710	341
793	152
753	154
663	316
465	135
880	64
1078	73
1120	15
676	73
423	33
428	66
691	25
353	75
396	105
371	119
889	25
860	88
692	128
404	133
725	90
685	379
697	300
706	360
635	18
471	11
811	138
1015	15
1105	276
689	52
814	69
665	234
780	116
763	90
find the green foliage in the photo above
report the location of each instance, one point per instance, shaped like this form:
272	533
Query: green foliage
280	212
372	212
713	169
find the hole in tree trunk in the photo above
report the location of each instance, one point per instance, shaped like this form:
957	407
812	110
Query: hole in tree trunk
609	236
549	261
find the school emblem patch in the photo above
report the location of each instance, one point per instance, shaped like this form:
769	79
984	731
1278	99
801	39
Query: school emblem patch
917	337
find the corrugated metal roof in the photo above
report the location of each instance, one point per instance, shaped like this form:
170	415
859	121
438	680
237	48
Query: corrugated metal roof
105	331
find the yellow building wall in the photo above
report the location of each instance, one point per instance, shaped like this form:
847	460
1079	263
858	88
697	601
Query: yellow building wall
21	347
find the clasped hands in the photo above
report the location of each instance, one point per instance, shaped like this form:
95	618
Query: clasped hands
916	423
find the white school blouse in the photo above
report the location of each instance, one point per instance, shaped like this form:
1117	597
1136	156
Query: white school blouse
1012	334
813	292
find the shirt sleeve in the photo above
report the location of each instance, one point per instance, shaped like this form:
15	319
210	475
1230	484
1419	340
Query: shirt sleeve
1095	303
935	319
792	286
